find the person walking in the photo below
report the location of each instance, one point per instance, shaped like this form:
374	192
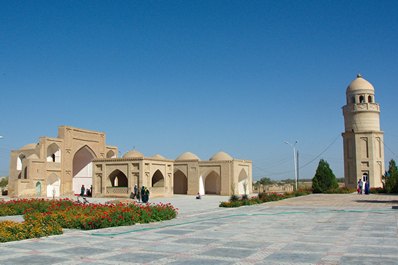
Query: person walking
82	190
135	191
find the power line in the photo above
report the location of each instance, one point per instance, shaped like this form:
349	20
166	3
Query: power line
327	148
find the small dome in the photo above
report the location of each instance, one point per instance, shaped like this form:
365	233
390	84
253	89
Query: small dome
133	154
157	156
33	156
28	147
188	156
221	156
359	84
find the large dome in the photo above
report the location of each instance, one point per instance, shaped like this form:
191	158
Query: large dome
188	156
29	147
33	156
133	154
359	84
221	156
157	156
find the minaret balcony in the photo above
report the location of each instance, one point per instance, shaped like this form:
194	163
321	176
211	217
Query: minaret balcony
363	107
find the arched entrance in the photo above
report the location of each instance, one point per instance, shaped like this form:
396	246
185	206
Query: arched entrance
213	183
180	183
53	185
118	179
82	169
53	153
157	179
243	181
38	189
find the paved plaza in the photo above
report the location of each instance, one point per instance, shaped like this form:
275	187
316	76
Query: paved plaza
314	229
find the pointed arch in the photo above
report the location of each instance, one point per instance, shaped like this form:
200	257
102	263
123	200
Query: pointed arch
157	179
53	185
38	188
213	183
20	159
82	168
118	179
53	153
243	181
180	183
110	154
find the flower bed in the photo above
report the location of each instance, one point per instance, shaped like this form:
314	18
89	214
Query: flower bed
35	225
261	198
43	216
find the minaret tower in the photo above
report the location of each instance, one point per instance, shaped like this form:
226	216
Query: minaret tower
362	138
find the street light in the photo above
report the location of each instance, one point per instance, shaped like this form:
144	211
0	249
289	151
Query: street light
294	159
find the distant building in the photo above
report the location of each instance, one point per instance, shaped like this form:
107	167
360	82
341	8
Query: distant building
362	138
60	166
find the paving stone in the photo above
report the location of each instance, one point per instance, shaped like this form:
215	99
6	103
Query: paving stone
136	257
228	252
200	261
293	257
82	251
33	260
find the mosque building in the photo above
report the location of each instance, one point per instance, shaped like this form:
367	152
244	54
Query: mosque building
362	138
56	167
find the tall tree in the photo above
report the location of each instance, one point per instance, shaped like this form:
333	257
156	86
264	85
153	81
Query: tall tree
324	179
391	178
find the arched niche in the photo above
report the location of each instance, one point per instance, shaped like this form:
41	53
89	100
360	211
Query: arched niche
243	181
213	183
82	168
180	181
118	179
157	179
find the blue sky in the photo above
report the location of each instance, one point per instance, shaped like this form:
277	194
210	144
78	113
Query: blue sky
202	76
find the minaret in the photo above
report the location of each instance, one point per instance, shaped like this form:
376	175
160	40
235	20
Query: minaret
362	139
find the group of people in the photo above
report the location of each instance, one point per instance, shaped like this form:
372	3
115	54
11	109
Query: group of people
143	195
88	192
363	187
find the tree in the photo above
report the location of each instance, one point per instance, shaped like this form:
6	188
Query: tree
265	181
324	179
391	178
4	182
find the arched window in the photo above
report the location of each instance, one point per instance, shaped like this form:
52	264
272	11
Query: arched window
370	100
53	153
361	99
110	154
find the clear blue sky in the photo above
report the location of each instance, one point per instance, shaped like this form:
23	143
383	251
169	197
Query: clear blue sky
200	76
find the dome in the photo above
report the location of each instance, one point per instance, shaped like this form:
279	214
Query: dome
221	156
359	84
28	147
188	156
157	156
33	156
133	154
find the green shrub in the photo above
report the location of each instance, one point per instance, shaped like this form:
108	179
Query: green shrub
234	198
324	179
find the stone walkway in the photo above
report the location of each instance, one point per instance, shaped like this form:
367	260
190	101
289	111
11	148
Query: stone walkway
315	229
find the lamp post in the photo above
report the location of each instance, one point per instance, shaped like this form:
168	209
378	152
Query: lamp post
295	160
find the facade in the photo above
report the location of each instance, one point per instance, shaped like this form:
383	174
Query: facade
60	166
362	138
57	166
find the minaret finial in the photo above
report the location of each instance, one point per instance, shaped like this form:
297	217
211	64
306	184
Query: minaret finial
359	75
